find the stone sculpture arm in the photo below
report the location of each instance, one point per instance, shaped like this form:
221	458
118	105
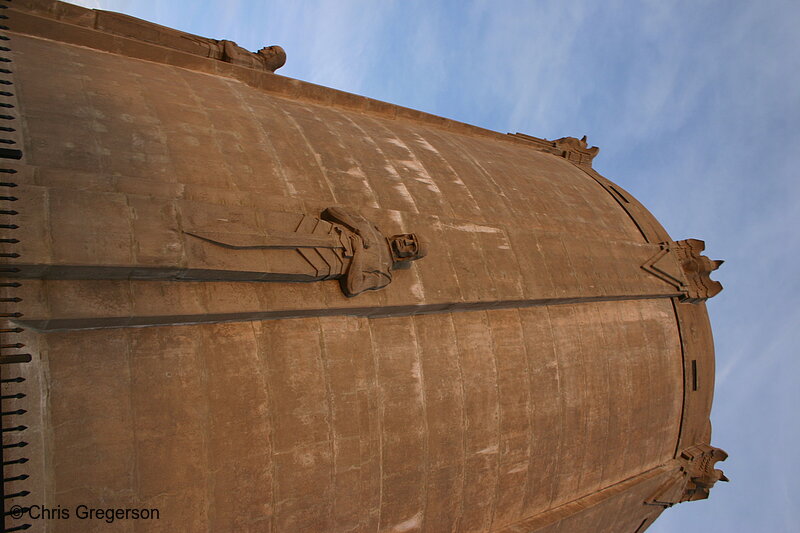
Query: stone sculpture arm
354	222
228	50
337	214
357	280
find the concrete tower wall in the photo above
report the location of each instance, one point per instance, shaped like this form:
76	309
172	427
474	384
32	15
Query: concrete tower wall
527	374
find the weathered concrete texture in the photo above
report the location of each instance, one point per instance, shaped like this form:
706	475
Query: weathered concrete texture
496	215
464	421
535	371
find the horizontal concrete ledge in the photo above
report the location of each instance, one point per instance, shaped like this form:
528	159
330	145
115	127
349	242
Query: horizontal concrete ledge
101	322
119	273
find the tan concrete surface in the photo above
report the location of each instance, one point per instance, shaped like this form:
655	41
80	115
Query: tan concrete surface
540	369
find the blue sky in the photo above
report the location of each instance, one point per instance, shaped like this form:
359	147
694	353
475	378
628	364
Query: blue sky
695	106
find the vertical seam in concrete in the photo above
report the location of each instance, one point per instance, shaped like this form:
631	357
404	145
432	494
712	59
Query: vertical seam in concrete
610	414
561	403
349	158
575	318
626	349
531	433
371	141
230	182
651	444
47	224
400	143
426	446
501	227
135	481
184	260
131	235
48	438
464	424
585	418
438	223
420	139
498	415
323	362
500	193
572	270
380	410
44	284
320	166
271	433
158	129
205	336
101	166
257	124
397	179
524	171
131	295
597	179
453	139
189	89
520	284
542	265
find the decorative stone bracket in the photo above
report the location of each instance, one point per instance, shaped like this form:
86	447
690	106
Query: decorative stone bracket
681	264
694	477
576	150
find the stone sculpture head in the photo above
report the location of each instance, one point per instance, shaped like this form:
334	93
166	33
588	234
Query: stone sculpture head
701	264
697	269
406	247
274	57
708	479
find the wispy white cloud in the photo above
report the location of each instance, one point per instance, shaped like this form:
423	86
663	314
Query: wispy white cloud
329	43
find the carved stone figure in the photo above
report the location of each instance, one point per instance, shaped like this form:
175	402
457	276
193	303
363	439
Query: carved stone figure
572	149
697	268
702	474
269	58
340	244
694	478
681	264
576	150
